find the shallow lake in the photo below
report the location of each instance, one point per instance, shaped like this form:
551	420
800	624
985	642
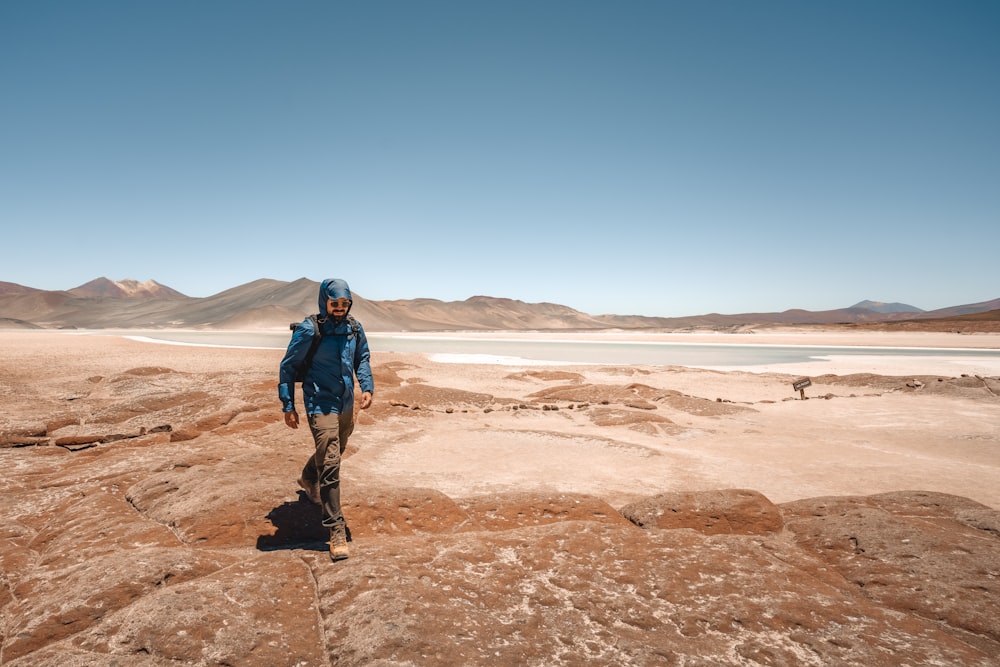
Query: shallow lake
652	353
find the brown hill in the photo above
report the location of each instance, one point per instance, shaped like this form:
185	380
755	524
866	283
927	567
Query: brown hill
272	304
959	311
14	288
125	289
478	312
985	322
10	323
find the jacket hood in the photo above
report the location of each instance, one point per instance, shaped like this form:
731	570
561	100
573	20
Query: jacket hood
334	288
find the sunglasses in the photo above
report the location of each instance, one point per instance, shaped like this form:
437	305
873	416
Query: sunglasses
339	304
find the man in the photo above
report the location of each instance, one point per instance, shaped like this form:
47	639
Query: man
328	396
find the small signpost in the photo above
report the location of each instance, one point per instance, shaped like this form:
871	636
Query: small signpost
800	386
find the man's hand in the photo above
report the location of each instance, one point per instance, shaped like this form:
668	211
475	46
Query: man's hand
292	419
366	400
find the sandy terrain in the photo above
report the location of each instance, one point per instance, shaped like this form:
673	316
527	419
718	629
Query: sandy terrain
855	435
870	436
500	515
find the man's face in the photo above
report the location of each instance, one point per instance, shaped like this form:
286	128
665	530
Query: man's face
337	307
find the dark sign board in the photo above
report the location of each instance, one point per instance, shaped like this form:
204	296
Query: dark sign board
801	384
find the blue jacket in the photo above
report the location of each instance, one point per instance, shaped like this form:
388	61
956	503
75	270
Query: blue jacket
341	356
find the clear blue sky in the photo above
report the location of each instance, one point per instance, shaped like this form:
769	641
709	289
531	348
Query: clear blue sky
636	157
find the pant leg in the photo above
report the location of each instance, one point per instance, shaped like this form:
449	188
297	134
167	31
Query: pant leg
330	434
310	473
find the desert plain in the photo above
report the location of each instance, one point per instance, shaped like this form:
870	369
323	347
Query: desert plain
502	514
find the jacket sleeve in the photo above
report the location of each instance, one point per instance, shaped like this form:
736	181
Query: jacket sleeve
295	355
362	362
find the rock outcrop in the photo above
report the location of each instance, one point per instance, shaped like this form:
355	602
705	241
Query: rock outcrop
149	518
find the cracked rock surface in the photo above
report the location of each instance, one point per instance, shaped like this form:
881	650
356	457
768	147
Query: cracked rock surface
498	516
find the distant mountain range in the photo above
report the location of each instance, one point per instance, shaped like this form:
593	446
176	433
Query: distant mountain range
881	307
273	304
127	289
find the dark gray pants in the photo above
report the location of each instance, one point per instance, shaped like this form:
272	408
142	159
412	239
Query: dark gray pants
330	433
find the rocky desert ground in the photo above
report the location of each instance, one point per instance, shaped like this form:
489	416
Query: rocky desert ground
500	515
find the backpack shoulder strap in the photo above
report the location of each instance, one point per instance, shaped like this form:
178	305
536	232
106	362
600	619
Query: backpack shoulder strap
313	344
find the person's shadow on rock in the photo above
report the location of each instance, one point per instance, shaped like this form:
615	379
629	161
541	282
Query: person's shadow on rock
297	525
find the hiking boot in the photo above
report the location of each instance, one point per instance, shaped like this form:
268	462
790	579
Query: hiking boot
338	544
312	491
